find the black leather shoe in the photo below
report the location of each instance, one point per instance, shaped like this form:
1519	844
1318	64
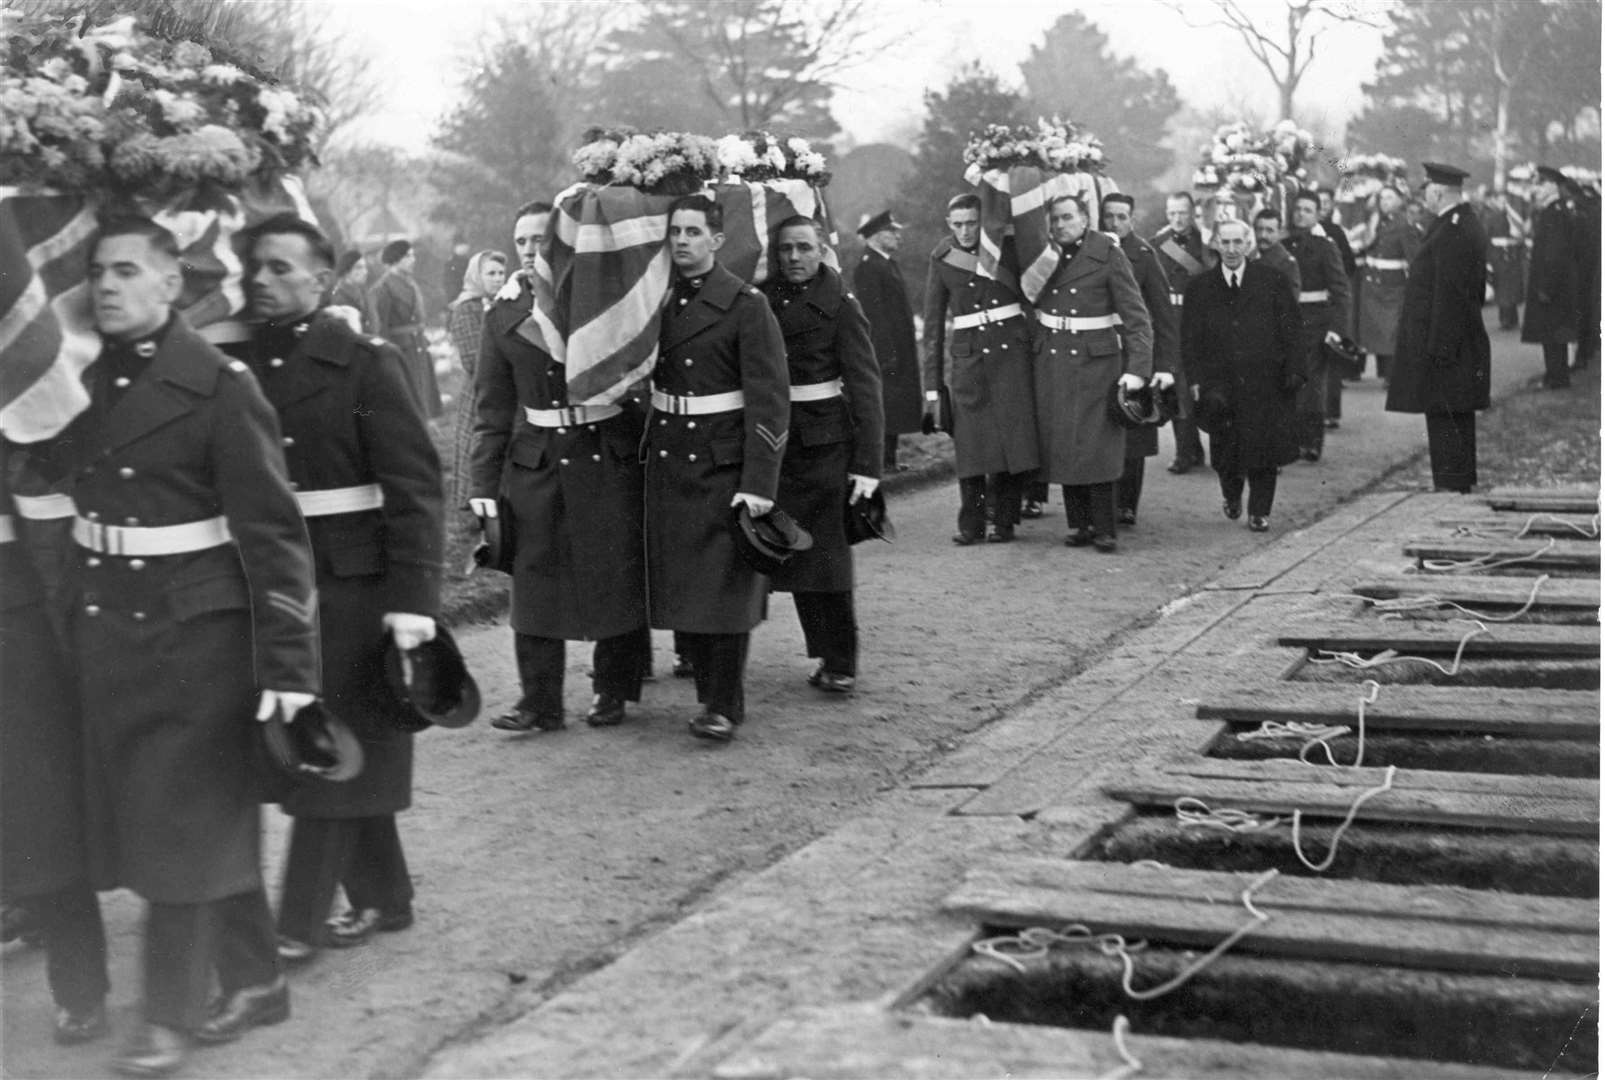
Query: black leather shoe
683	668
1105	543
1079	538
830	681
1179	466
1126	516
153	1051
1001	534
356	926
74	1027
1232	508
606	711
523	720
246	1008
1031	509
294	952
965	539
712	725
1259	524
1310	454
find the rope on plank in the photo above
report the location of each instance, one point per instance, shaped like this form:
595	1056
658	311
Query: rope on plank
1588	532
1034	942
1395	607
1118	947
1130	1065
1331	854
1193	812
1369	690
1392	656
1483	562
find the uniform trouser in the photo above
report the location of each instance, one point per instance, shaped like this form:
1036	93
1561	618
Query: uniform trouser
1261	489
1452	445
719	662
889	450
617	664
1312	421
75	945
1556	372
1189	447
994	497
1034	490
830	629
1334	392
1384	364
187	944
363	854
1509	319
1090	506
1128	492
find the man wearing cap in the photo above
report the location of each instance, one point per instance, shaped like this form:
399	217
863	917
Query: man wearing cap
1506	226
1093	332
1384	265
1553	299
193	611
986	370
1143	442
717	433
878	282
833	454
1585	203
1183	255
367	477
397	305
1324	308
1441	357
570	475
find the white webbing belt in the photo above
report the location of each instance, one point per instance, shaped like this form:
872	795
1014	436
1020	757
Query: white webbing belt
1176	299
1387	264
159	540
990	315
728	401
1505	241
8	528
819	391
45	507
1075	324
1314	296
573	416
346	500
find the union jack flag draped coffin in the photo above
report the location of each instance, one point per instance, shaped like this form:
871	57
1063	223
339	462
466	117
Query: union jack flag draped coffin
47	336
603	273
1014	202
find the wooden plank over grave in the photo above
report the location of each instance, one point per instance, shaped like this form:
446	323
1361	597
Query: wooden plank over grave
1482	710
1511	525
1434	927
1477	590
1535	553
1444	638
1564	500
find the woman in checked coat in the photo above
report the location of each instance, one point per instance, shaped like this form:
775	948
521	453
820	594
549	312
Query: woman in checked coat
465	322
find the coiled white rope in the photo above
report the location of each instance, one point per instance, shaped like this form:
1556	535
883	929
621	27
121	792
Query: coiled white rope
1369	690
1035	941
1483	562
1114	945
1131	1065
1392	656
1331	854
1193	812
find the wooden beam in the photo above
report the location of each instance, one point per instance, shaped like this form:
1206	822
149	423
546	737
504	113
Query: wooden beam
1533	714
1475	591
1507	525
1564	500
1535	554
1435	927
1444	638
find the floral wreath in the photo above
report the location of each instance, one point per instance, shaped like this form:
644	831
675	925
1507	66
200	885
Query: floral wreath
660	163
1246	160
114	111
1055	145
759	156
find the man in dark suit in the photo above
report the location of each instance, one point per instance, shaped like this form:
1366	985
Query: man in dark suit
1324	308
1553	299
718	431
570	475
1183	255
833	454
1441	359
193	609
986	370
367	478
878	281
1240	338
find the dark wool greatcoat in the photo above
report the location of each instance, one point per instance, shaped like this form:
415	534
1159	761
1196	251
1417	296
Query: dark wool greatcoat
1320	267
1182	256
1074	370
1382	287
878	284
1277	258
1507	255
986	369
1246	350
1441	356
724	339
1155	288
827	337
397	307
348	419
41	734
1553	299
1588	296
352	296
171	650
579	564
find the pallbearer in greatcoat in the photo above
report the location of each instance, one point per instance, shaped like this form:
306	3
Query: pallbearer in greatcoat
1183	255
1324	311
1384	267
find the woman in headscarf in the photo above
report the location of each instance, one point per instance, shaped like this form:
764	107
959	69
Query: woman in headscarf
465	321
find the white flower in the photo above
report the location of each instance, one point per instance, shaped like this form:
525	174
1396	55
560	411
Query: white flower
735	154
775	158
181	111
222	74
798	147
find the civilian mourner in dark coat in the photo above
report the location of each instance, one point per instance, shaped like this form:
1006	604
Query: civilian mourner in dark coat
397	307
43	862
194	611
1183	255
878	284
1441	358
834	450
1553	300
718	430
367	478
985	367
1242	349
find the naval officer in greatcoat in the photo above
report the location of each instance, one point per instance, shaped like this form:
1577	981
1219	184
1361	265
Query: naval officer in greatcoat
571	477
715	439
986	370
194	612
367	478
833	453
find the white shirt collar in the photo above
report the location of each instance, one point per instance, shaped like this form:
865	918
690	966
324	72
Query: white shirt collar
1227	272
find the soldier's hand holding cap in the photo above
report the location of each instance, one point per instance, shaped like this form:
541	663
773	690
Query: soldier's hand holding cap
863	487
1162	380
483	508
1131	382
286	702
1334	338
409	631
757	505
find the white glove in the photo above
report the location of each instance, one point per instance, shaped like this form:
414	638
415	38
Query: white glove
1333	337
483	508
863	487
757	505
286	702
409	631
1131	382
1162	380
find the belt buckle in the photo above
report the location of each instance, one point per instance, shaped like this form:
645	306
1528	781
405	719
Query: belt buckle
111	539
569	415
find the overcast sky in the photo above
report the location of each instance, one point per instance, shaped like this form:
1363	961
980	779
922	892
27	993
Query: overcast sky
420	44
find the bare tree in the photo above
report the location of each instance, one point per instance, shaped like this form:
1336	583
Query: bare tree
1285	48
314	53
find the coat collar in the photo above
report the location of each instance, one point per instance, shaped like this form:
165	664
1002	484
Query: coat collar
184	371
824	293
1094	252
716	297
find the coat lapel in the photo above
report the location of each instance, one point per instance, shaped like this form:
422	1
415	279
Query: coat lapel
178	375
712	301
